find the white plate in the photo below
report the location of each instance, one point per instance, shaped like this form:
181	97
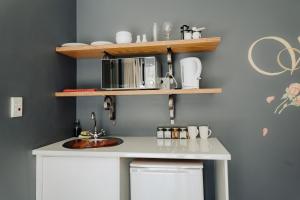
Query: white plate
73	44
96	43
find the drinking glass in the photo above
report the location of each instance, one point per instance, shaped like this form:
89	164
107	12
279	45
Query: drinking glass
167	28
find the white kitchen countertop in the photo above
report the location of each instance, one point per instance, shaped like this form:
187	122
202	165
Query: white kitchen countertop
146	147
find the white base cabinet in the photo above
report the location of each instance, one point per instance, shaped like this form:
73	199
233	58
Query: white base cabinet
101	174
78	178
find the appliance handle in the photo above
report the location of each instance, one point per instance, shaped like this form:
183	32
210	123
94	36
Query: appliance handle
199	67
182	73
163	171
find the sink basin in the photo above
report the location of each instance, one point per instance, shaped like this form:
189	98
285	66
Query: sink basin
93	143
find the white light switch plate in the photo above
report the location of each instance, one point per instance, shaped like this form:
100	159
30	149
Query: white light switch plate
16	107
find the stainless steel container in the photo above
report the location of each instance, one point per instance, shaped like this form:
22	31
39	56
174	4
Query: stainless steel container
131	73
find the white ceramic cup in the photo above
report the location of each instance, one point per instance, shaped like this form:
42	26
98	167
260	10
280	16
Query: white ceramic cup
205	132
193	132
123	37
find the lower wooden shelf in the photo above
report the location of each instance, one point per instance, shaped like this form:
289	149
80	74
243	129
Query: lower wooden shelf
140	92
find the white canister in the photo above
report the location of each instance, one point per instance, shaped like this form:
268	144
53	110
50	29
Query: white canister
196	35
187	35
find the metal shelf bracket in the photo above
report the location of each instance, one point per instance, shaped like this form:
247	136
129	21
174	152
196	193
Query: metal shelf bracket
171	102
170	61
110	101
171	105
110	106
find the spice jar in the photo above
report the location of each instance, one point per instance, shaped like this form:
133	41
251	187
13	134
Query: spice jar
183	133
160	133
167	133
175	133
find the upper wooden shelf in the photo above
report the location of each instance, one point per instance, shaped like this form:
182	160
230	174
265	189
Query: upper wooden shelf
147	48
139	92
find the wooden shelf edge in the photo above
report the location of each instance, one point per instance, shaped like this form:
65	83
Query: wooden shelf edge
140	92
159	47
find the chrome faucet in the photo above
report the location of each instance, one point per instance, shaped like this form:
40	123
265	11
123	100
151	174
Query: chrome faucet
94	132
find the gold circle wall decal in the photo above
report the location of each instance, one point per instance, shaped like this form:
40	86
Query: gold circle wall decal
287	48
291	97
294	62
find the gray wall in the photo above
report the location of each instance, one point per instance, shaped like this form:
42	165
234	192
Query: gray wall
30	31
262	167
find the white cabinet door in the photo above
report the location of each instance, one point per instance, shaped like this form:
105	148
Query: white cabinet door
79	178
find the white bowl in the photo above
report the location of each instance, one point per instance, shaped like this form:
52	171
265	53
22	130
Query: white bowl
123	37
73	44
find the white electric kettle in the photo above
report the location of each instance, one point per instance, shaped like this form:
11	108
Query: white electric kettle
191	69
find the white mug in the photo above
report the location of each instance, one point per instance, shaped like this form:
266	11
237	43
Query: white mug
205	132
193	132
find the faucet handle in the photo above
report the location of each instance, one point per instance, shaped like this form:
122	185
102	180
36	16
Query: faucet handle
102	132
97	134
93	134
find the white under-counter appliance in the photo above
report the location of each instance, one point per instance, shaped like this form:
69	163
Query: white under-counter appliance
166	180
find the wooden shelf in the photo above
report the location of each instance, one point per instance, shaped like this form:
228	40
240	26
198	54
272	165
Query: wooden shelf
147	48
139	92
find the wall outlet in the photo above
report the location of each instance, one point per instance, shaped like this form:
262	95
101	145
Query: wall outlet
16	107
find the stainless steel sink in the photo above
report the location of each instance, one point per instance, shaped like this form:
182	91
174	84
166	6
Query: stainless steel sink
93	143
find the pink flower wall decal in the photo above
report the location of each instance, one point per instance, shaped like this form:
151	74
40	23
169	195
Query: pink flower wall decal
290	98
270	99
265	132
